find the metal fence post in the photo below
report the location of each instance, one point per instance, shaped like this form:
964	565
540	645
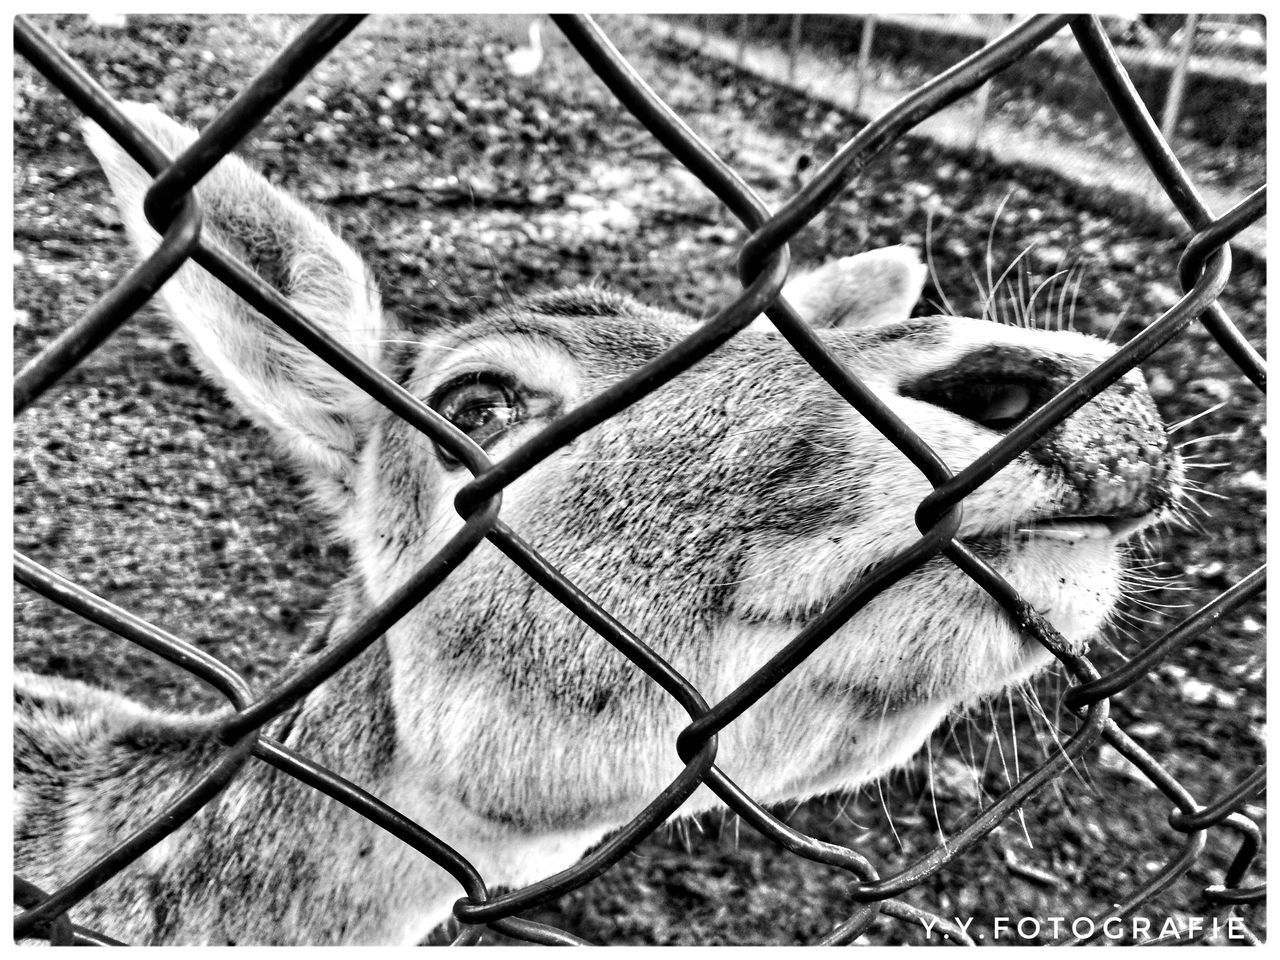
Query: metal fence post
864	58
983	97
793	46
1178	81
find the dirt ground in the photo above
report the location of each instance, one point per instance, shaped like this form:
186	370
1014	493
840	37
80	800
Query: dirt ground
1012	127
463	186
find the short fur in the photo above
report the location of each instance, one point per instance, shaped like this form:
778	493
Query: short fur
713	518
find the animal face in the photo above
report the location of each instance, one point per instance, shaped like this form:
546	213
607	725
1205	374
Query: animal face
721	514
714	518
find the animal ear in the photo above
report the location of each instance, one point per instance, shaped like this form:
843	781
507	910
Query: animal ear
875	287
314	413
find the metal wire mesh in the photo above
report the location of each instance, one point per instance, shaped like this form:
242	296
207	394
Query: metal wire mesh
763	265
1183	64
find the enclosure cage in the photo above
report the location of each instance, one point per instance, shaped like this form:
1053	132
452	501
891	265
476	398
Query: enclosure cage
1204	271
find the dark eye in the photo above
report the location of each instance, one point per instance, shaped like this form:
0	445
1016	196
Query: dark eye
483	406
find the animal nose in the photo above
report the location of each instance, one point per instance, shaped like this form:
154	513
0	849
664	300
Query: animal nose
1113	454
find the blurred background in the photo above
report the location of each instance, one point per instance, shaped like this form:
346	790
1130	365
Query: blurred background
1202	77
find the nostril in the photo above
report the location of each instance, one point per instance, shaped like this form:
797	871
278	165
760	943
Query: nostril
996	387
997	405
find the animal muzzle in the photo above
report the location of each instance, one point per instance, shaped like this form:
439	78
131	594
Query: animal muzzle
1114	457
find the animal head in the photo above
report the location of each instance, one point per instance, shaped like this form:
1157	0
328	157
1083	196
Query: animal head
714	518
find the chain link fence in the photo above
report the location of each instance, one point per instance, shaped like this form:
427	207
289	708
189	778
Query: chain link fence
1204	270
1186	66
1202	76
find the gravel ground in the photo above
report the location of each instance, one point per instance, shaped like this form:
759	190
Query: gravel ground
463	186
1090	151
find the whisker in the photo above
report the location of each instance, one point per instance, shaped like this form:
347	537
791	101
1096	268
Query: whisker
933	273
1212	437
1047	282
1183	424
991	239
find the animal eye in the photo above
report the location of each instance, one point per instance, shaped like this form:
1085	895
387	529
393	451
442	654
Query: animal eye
483	406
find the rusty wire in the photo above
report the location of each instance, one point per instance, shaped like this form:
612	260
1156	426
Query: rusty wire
763	265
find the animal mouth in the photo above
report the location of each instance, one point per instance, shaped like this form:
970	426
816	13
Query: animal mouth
1092	530
1077	529
1093	533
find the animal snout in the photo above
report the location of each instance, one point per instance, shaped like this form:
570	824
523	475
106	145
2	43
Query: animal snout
1113	455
